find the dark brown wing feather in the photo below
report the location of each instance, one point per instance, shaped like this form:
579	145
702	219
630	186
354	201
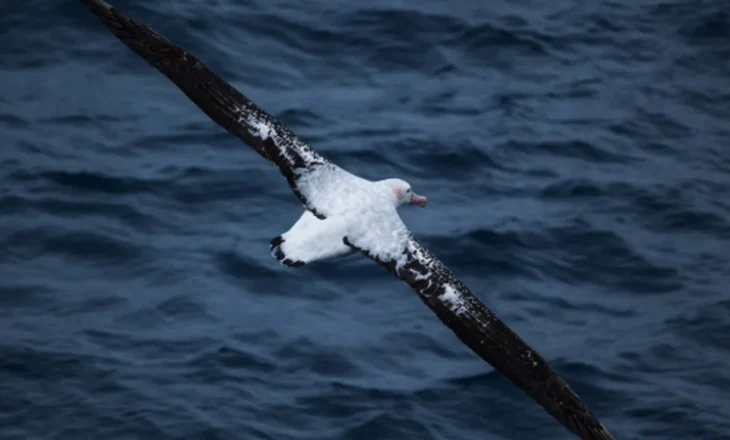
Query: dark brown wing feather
482	331
219	100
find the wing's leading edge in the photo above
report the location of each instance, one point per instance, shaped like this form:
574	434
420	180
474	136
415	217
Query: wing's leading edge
221	102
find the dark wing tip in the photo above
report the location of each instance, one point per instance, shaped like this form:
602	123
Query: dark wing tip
594	433
567	407
490	338
586	426
603	434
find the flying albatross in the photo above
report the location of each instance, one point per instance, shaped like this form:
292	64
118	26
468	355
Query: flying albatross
345	214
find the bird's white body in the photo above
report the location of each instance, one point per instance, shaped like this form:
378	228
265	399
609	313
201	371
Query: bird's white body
361	208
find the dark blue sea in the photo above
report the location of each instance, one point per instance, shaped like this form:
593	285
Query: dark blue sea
577	164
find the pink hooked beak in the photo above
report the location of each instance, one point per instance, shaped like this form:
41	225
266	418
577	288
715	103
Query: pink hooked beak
418	200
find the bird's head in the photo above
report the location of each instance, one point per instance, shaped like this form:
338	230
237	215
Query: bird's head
403	194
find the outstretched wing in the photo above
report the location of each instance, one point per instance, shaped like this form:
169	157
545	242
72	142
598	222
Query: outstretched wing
391	245
308	173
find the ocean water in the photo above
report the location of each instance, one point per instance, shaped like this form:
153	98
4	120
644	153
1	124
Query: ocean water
576	160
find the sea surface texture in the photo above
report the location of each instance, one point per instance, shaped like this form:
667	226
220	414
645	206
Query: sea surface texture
575	155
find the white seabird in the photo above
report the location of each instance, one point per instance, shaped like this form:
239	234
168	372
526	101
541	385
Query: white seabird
345	213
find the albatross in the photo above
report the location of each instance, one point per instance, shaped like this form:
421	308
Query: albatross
346	214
